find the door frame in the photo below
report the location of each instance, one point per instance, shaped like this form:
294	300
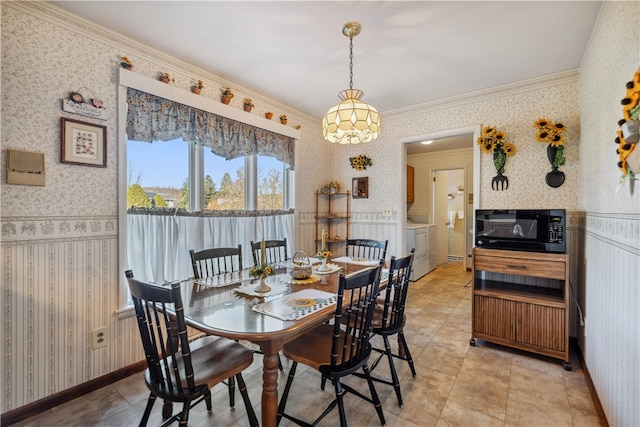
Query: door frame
474	130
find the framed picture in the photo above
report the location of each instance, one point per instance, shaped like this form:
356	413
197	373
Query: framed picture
83	143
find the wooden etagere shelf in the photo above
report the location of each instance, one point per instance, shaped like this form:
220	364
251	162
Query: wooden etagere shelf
521	300
333	214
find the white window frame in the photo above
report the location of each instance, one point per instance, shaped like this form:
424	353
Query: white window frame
130	79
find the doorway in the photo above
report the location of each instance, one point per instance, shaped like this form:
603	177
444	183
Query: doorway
441	151
449	208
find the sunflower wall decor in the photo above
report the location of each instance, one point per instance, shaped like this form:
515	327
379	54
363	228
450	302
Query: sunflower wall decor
629	133
360	162
552	134
494	141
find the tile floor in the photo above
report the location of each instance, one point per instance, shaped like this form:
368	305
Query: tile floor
456	384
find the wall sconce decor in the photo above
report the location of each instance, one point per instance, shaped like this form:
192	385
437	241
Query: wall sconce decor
360	162
494	141
552	134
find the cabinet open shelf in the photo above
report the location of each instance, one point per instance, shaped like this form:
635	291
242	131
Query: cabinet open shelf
517	292
333	214
521	300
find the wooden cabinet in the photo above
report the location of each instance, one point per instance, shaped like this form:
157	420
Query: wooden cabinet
333	214
521	299
410	185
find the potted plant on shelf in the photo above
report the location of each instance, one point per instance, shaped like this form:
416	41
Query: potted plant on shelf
126	63
283	119
227	94
197	88
331	188
248	105
165	78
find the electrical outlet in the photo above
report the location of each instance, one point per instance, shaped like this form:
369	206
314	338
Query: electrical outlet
387	211
99	337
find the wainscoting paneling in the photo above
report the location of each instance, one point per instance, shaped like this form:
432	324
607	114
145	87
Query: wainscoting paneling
55	293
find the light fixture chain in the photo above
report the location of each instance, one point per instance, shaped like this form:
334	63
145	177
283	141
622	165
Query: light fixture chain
350	62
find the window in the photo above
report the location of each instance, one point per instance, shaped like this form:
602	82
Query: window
158	175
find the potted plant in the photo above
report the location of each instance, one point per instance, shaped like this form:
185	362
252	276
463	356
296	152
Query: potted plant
227	94
331	188
126	63
197	88
165	78
268	115
248	104
283	119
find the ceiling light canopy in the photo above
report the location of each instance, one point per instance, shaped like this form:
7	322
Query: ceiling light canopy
351	121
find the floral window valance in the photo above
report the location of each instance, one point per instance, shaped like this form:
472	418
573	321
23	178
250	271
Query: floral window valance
152	118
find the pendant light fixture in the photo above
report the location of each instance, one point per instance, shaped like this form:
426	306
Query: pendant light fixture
351	121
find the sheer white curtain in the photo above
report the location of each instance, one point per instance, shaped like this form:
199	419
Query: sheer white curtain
158	245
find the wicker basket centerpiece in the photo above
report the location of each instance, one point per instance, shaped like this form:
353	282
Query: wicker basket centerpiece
301	266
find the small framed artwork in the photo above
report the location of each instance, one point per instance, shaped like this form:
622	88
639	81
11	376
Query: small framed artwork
83	143
360	187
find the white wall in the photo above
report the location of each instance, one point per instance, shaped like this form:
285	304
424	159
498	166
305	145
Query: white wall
609	265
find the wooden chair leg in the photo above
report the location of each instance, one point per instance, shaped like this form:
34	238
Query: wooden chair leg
339	395
253	420
392	367
374	394
231	384
285	393
407	353
147	410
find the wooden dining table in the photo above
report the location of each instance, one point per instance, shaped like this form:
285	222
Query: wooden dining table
219	309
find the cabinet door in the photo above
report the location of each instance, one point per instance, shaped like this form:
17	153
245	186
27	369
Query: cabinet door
410	186
541	326
494	316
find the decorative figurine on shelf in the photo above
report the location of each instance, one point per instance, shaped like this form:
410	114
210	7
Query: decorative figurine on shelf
283	119
494	141
197	88
324	254
262	271
248	105
552	134
227	94
268	115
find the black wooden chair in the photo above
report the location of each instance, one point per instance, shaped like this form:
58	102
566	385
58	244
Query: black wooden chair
275	251
211	262
390	319
340	348
368	249
179	371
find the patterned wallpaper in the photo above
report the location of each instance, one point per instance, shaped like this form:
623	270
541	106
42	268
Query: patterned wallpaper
50	258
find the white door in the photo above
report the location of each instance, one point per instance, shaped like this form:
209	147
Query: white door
440	206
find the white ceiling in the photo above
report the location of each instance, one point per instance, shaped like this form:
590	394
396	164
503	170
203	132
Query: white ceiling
408	53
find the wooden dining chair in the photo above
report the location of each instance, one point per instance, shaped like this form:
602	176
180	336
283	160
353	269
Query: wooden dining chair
211	262
179	371
389	319
368	249
340	348
275	251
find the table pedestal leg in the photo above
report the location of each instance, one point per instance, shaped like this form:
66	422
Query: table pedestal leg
269	385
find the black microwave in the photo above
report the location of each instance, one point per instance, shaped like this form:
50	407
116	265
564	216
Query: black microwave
535	230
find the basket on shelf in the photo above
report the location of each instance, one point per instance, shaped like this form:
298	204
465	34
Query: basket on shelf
301	266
